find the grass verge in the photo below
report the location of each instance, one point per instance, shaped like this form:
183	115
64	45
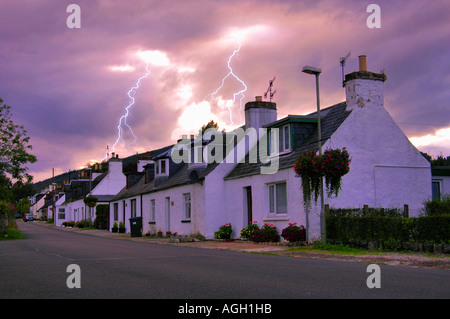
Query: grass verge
13	233
331	248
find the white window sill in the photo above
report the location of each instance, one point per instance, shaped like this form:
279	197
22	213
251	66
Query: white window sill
276	217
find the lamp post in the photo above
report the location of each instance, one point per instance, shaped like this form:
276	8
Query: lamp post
90	189
316	71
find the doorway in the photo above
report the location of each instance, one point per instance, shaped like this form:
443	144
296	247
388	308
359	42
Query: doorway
167	214
248	198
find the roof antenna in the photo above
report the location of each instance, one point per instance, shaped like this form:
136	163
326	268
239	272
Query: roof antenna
342	60
269	90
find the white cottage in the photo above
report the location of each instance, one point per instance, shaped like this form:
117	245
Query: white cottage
104	186
199	196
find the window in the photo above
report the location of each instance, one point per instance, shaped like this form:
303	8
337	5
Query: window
162	167
133	208
277	198
61	213
187	206
436	190
116	211
280	140
152	210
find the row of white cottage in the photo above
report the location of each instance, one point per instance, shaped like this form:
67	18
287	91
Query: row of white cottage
186	198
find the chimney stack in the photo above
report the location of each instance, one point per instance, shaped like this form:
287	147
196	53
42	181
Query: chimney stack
259	113
364	88
362	63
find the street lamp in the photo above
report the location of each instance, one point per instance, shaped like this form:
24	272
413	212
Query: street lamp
90	189
316	71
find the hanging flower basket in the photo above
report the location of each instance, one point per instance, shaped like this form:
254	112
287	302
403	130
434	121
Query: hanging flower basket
90	201
336	163
332	165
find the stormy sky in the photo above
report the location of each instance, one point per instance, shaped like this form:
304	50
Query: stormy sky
69	87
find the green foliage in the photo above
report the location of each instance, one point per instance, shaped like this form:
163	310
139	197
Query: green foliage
13	233
294	233
312	168
121	224
101	219
224	232
369	211
5	208
14	147
438	161
267	233
349	229
69	224
83	223
437	207
90	201
211	125
249	230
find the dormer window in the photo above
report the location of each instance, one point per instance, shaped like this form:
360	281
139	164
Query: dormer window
162	167
280	140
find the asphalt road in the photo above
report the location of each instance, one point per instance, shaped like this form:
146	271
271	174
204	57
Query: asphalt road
37	267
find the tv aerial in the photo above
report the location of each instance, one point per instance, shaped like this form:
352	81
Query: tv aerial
269	90
342	61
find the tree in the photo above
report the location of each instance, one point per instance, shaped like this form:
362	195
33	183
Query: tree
13	147
210	125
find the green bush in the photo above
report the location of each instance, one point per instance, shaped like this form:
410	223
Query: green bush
224	232
101	219
294	233
437	207
389	229
267	233
247	232
69	224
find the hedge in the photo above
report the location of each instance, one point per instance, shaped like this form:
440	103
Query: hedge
380	228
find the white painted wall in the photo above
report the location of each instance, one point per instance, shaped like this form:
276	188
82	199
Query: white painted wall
113	182
386	169
177	223
444	182
236	201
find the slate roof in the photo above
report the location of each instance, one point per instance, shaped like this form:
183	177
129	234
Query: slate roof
440	171
180	177
331	118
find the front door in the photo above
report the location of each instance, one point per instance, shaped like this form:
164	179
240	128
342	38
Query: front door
167	214
248	194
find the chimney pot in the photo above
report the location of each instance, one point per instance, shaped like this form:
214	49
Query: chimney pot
258	98
362	63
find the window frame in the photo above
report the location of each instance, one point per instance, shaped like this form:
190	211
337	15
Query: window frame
272	205
133	208
152	210
159	167
282	137
116	211
187	206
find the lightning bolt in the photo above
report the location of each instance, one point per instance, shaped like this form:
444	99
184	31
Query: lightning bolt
123	118
231	73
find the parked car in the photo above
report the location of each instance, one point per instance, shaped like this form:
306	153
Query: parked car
17	215
28	217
